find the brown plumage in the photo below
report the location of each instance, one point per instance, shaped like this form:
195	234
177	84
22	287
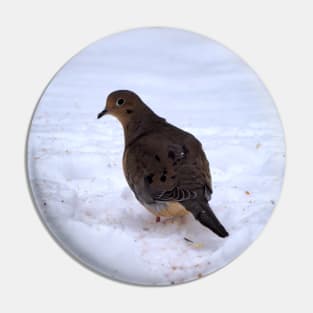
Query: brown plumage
165	166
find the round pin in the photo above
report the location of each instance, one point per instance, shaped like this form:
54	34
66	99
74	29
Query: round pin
155	156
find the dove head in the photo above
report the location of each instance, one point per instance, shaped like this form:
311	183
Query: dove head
134	115
124	105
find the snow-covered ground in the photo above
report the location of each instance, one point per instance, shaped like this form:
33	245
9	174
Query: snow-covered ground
74	160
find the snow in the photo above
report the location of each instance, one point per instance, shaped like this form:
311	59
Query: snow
74	160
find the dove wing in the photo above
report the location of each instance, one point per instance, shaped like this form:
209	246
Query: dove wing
161	167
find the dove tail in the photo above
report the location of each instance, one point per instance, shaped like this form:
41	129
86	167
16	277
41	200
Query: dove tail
204	214
207	218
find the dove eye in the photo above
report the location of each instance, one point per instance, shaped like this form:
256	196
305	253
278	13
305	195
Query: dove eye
120	102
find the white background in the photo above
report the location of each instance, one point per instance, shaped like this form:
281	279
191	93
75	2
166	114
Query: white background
275	38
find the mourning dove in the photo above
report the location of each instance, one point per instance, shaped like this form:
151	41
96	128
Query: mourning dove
164	166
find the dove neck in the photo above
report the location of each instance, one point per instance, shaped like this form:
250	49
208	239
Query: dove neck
140	125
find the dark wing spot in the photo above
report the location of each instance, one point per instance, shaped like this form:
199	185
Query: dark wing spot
185	150
173	177
164	171
171	155
174	163
149	178
163	178
157	157
129	111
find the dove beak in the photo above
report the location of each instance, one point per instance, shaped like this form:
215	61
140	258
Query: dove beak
102	113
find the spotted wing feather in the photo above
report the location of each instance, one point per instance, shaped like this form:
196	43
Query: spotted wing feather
176	171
